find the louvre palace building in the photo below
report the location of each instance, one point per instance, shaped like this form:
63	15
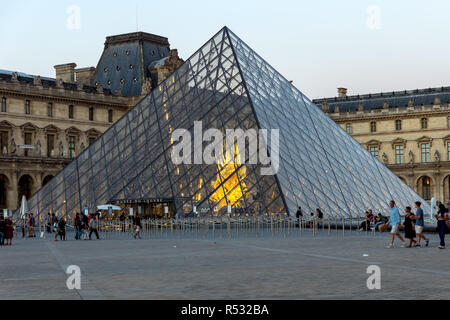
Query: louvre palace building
408	131
47	122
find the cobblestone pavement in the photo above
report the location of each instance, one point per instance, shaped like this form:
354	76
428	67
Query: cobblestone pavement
325	267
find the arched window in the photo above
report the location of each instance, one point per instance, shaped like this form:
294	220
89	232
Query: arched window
47	180
426	188
25	187
424	123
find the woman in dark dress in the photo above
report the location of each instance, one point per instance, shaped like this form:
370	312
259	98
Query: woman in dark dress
410	233
9	231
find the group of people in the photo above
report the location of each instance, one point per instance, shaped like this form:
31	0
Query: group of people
414	225
317	217
6	231
379	222
57	226
85	226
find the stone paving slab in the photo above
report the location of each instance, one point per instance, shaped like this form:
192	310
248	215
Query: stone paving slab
294	268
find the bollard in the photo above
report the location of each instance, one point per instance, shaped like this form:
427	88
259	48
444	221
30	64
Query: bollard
335	223
351	224
367	228
329	226
357	227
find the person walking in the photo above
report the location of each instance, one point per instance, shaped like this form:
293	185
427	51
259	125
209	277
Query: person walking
2	231
55	228
409	227
85	226
122	219
442	217
78	226
420	224
299	216
93	225
62	229
9	231
137	226
48	223
395	220
30	225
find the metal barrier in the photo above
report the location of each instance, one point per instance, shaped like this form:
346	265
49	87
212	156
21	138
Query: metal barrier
225	227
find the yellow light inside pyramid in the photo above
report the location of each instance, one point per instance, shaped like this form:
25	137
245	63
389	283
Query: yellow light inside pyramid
231	190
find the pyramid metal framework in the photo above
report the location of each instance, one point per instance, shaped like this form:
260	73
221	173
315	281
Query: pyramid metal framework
226	85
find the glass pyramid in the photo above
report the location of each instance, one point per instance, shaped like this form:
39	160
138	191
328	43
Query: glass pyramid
226	85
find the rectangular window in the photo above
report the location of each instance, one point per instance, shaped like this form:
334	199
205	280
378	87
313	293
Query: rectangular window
27	107
3	104
50	144
3	141
425	152
71	112
399	154
448	150
50	109
28	141
373	127
398	125
110	116
91	114
375	151
71	147
424	123
448	122
349	128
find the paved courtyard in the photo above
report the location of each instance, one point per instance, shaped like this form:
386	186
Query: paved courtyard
325	267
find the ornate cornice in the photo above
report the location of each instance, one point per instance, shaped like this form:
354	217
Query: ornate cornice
425	139
399	141
370	116
60	95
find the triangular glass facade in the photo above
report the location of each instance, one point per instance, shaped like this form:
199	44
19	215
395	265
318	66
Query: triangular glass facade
226	85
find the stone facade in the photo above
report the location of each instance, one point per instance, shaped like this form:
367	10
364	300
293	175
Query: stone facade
45	123
408	131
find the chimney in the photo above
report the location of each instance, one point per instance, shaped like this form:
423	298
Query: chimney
342	92
85	76
66	72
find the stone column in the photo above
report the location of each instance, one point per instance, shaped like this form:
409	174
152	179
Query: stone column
38	177
438	189
13	190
